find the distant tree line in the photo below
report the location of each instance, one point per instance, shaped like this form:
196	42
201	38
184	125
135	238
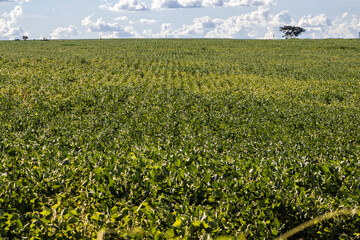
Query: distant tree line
26	38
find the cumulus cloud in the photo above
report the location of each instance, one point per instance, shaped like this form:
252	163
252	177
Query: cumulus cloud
243	3
139	5
125	5
275	22
65	32
123	18
14	14
147	21
100	25
164	4
18	1
7	22
345	15
282	18
127	32
108	30
242	26
259	23
315	21
321	26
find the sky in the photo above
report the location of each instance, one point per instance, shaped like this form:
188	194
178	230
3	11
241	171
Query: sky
236	19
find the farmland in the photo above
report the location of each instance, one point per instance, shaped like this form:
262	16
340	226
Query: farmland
191	139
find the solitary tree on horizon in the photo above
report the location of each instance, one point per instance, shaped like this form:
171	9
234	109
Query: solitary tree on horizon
291	31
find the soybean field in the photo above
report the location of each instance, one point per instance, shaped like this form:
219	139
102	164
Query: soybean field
179	138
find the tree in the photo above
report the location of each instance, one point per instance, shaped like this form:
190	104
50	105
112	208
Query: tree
25	38
291	31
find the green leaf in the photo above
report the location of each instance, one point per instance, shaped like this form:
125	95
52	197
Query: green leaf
96	216
73	212
196	223
205	225
56	187
225	238
13	216
114	210
46	211
177	223
274	232
170	233
19	224
207	177
72	220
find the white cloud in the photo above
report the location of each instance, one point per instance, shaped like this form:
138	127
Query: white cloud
65	33
212	3
123	18
18	1
128	32
242	26
258	24
147	21
162	4
139	5
7	22
243	3
108	30
165	4
14	14
314	21
125	5
100	25
281	19
321	26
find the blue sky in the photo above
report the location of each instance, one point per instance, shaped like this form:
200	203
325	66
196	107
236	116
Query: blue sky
239	19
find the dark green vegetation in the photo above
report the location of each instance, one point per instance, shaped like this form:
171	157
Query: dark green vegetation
291	31
179	138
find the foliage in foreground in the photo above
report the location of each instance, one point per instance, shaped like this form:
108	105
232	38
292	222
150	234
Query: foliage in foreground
189	139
